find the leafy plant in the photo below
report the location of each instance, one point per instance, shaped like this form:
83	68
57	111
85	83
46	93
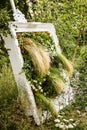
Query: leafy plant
41	67
4	25
69	17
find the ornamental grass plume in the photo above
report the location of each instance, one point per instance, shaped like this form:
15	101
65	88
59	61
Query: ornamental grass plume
57	80
67	64
58	83
45	57
39	56
48	103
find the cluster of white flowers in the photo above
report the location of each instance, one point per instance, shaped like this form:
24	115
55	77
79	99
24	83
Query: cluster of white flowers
64	124
40	89
36	89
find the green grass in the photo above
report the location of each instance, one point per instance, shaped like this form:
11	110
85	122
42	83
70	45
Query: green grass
68	17
8	89
12	116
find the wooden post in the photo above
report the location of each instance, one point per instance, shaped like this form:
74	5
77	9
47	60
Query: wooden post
13	5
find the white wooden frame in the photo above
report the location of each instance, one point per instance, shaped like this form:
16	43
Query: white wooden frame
16	59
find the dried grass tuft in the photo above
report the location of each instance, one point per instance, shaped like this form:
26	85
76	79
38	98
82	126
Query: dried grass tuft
67	64
58	83
48	103
39	56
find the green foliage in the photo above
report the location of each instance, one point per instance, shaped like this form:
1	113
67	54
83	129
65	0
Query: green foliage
51	83
36	80
41	38
4	18
69	17
80	77
81	60
48	103
4	60
80	82
8	90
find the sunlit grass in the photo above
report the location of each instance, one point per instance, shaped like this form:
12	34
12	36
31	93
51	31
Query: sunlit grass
8	88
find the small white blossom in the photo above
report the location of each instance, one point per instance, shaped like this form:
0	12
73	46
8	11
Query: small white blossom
70	126
66	127
78	112
56	125
61	126
59	116
35	81
71	120
65	120
44	93
41	90
74	124
39	87
33	87
40	83
77	122
57	120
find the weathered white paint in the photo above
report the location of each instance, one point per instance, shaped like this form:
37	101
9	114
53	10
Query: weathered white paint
13	5
16	60
36	27
17	14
